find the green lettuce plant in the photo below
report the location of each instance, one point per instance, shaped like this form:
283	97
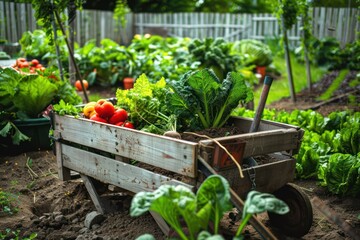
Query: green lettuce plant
198	211
24	96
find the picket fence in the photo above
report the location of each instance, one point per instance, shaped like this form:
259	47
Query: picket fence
340	23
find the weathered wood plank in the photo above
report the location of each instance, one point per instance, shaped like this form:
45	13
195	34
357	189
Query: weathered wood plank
111	171
266	177
260	143
165	152
63	172
100	205
244	124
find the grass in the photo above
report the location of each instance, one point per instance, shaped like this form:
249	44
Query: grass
280	87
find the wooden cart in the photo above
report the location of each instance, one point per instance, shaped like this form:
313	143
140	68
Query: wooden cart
102	152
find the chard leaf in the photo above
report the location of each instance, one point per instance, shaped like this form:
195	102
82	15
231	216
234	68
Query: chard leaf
200	94
169	201
215	190
233	91
257	202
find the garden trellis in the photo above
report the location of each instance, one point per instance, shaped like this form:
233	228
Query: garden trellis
340	23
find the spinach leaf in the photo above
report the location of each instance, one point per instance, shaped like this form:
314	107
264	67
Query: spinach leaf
216	192
176	203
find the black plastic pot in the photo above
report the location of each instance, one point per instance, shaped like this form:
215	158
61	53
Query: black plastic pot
37	129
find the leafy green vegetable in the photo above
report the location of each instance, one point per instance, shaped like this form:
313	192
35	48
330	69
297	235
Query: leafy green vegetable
63	108
256	203
26	96
35	95
216	192
11	130
333	138
146	102
212	200
206	102
171	202
252	52
174	203
214	54
341	174
348	139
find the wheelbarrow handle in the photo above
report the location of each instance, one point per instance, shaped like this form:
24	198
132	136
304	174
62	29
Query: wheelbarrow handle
259	111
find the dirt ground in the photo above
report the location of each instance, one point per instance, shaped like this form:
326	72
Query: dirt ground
57	210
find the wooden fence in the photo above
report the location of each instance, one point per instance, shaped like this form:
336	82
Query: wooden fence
341	23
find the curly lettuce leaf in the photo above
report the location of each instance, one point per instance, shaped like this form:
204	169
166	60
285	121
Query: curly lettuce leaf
146	102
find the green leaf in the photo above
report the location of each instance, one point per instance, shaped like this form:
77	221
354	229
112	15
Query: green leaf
257	202
34	95
63	108
146	237
200	95
6	129
19	136
341	174
215	190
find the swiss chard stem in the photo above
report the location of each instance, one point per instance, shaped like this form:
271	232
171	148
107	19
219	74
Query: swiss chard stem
243	224
203	120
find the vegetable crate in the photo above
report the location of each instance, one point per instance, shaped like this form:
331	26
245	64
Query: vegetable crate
138	161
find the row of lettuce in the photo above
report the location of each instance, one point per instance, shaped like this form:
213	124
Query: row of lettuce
330	150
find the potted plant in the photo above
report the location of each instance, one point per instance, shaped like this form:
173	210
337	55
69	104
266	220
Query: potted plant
23	99
253	53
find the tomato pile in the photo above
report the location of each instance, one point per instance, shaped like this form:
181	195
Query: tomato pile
31	66
104	111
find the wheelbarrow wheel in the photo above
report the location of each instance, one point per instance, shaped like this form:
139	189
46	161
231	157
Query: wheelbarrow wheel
297	222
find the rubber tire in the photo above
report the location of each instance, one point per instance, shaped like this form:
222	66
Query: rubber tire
297	222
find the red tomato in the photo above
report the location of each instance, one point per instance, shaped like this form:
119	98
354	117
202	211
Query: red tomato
129	125
39	66
78	85
104	108
120	115
120	124
23	64
34	62
97	118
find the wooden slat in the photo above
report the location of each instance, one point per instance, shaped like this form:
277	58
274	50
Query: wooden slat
2	22
260	143
100	205
111	171
244	124
168	153
268	177
63	172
